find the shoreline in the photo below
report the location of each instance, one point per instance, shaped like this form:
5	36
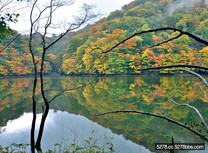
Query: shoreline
96	75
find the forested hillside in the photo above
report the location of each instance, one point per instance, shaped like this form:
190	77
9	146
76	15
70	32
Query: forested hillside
76	54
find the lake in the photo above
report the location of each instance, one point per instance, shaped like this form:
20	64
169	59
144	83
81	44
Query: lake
72	115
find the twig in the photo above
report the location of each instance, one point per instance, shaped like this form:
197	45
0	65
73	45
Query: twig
196	110
174	66
163	42
97	48
191	72
161	29
9	43
194	73
159	116
205	94
62	92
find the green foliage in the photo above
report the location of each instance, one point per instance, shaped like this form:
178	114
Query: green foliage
13	148
168	136
5	18
103	94
128	57
115	14
4	30
74	55
74	43
88	146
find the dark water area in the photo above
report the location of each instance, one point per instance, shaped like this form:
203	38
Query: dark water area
72	116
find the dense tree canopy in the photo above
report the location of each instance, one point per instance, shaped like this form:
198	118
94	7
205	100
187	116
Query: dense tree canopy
132	55
74	55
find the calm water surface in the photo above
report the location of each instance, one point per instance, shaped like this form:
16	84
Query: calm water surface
72	115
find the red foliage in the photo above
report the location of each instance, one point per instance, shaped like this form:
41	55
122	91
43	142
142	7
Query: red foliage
4	54
158	38
4	101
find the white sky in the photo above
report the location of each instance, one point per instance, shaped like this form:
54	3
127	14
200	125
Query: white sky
104	7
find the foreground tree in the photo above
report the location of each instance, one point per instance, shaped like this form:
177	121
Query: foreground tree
36	30
41	20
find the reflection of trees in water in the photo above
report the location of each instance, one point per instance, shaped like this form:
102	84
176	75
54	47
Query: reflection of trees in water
149	94
63	129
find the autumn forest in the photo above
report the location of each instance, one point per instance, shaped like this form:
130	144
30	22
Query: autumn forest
74	55
99	74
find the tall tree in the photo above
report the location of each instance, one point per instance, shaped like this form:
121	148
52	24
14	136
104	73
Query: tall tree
44	14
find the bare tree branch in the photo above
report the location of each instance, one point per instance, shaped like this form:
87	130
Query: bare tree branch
174	66
46	13
98	49
161	29
205	94
4	4
194	73
158	116
88	16
62	92
196	110
191	72
10	43
163	42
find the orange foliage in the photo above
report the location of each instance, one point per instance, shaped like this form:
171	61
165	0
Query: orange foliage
167	105
132	4
127	96
158	38
152	96
1	108
14	52
15	100
4	101
138	81
4	54
151	53
130	44
159	90
6	82
117	35
131	106
26	83
157	112
26	93
95	31
191	94
5	71
38	90
118	117
129	56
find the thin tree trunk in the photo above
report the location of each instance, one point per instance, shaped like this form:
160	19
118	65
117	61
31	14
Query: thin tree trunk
32	138
40	134
45	114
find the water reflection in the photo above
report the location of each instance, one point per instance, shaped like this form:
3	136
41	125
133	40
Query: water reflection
65	128
103	94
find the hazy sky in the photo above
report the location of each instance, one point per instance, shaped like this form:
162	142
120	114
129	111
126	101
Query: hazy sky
104	7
